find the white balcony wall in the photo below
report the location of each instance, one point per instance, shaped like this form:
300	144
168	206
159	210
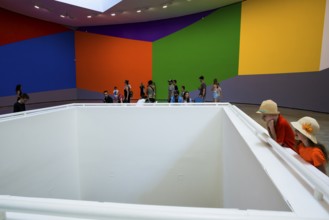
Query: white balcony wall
211	158
39	155
246	184
151	155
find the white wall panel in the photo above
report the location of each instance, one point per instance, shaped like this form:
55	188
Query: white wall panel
39	156
246	184
151	155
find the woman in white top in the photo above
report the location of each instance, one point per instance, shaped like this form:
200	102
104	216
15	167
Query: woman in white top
216	91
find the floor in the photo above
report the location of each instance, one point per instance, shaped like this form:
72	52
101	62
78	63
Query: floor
294	115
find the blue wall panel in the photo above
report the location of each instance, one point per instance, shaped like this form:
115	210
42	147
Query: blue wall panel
39	64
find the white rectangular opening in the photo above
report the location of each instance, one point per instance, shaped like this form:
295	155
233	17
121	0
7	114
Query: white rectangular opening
200	156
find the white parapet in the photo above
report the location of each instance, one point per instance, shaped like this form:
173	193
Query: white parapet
151	161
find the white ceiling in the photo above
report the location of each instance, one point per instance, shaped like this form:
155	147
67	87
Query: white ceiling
50	10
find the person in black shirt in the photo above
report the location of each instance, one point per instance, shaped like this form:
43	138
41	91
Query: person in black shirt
107	98
203	89
19	106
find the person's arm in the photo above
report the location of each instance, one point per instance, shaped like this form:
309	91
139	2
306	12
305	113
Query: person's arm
271	129
127	92
322	168
319	160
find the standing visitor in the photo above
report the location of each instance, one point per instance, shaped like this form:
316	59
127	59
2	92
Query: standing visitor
150	92
19	106
216	90
116	94
127	92
203	88
171	89
142	90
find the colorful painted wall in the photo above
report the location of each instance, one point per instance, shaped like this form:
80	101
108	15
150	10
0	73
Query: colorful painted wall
121	52
182	49
283	54
238	44
103	62
255	48
37	54
280	36
209	47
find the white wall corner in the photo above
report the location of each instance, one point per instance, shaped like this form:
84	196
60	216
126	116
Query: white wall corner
325	40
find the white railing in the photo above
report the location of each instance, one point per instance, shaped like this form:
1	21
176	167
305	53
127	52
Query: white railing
97	210
319	185
73	105
101	211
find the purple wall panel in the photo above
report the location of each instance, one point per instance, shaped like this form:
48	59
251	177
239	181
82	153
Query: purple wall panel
297	90
147	31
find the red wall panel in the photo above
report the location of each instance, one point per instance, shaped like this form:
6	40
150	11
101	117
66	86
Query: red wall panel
16	27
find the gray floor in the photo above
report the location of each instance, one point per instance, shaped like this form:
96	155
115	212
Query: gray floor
294	115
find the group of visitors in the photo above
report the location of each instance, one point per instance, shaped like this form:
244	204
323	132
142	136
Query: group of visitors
302	139
148	93
184	96
174	96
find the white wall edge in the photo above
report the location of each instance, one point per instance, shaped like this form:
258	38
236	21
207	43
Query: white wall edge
324	64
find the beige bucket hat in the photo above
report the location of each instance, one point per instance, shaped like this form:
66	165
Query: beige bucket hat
307	126
268	107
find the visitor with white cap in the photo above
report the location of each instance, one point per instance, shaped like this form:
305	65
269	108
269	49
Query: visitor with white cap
278	127
308	148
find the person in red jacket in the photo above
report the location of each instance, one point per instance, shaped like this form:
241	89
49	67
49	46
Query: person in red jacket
278	127
308	147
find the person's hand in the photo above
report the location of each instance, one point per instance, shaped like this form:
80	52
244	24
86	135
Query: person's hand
270	123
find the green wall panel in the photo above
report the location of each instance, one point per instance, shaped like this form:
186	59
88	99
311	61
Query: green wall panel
209	47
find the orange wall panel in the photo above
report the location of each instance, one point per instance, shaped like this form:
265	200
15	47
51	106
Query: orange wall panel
103	62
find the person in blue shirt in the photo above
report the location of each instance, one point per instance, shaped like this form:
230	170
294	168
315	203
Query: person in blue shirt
176	98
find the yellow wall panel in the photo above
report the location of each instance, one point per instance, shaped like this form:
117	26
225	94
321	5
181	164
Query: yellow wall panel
281	36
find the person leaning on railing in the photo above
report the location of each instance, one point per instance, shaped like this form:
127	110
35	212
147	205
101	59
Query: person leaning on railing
278	127
307	146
